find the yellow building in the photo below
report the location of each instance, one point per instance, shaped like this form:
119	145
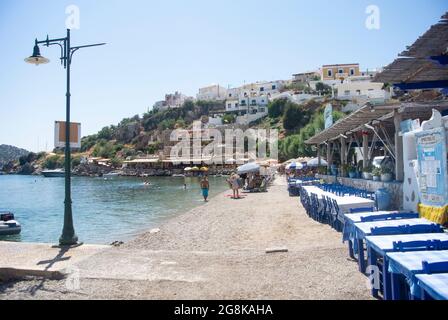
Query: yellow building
339	71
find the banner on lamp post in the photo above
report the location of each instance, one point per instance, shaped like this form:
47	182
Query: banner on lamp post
59	135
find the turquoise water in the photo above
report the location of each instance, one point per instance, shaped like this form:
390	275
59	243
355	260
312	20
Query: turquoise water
104	210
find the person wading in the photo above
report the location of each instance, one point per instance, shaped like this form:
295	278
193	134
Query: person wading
205	186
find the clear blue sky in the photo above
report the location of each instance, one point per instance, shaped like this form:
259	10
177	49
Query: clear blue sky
155	47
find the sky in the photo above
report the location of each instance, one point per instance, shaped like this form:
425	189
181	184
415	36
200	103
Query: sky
158	47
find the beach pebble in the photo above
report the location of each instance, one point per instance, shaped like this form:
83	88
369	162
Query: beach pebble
276	250
153	231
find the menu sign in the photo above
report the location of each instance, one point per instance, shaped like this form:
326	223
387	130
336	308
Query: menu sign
431	153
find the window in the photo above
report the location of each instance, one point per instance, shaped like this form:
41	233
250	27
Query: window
330	72
352	71
262	109
274	87
358	92
261	89
340	71
230	95
254	102
346	92
229	105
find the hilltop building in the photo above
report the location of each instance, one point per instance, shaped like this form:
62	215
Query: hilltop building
213	92
172	100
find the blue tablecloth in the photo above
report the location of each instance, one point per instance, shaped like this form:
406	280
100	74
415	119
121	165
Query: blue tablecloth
409	264
436	285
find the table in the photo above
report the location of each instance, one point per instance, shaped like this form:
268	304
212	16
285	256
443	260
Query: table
378	246
409	264
352	218
434	285
345	203
364	229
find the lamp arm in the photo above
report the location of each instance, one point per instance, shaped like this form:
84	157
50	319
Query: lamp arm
74	49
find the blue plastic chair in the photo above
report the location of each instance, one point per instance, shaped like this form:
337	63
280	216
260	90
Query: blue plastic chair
432	228
390	216
435	267
360	210
426	245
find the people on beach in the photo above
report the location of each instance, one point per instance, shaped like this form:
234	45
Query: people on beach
234	182
205	186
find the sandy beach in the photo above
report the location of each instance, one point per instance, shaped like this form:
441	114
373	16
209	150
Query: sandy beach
217	251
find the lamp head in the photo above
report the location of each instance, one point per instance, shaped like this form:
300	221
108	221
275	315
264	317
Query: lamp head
36	58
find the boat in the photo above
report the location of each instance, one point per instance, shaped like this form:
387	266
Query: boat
9	226
178	176
111	175
53	173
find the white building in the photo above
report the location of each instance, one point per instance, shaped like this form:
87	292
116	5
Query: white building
172	100
212	93
360	92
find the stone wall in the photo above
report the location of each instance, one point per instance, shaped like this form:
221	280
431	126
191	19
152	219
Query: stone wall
395	188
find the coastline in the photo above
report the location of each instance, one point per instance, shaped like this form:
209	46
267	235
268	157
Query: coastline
218	251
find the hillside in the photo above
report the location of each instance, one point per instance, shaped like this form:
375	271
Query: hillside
10	153
145	135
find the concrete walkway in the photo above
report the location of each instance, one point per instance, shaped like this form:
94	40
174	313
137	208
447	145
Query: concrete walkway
18	259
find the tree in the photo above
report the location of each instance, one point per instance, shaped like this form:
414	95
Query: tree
323	88
228	118
277	107
293	116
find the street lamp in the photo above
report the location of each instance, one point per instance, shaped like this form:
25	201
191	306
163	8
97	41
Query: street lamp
68	237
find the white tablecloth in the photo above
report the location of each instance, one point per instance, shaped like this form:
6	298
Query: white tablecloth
345	203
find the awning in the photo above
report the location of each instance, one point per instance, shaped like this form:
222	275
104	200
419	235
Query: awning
353	121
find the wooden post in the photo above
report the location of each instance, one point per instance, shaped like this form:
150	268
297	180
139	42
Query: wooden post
365	150
318	155
328	155
399	165
343	157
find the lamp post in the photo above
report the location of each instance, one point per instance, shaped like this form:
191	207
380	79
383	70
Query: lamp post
68	237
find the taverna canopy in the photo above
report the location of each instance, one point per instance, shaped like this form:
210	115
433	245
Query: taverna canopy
315	162
248	168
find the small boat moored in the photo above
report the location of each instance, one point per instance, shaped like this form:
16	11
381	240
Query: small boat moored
57	173
111	175
9	226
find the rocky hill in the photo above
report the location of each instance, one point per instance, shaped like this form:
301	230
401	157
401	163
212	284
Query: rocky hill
10	153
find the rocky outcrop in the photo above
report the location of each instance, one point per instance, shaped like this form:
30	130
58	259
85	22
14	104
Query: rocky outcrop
91	170
126	133
10	154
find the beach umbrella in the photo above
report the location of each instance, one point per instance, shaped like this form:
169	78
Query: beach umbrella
204	169
195	169
249	167
294	166
315	162
188	169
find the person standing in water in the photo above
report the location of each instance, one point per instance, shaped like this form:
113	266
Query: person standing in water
205	186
